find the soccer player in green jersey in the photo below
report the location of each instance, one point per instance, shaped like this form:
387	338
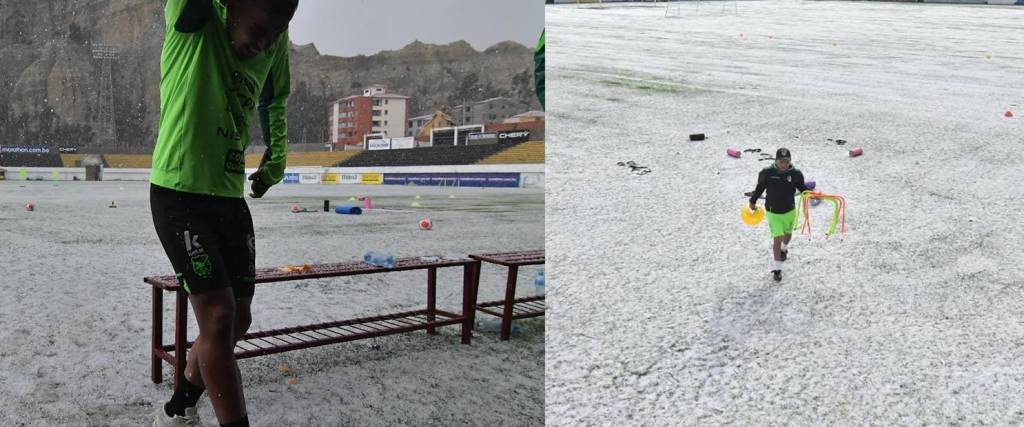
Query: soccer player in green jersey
221	60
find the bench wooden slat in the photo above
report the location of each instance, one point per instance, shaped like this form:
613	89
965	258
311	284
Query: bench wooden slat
522	307
512	258
338	269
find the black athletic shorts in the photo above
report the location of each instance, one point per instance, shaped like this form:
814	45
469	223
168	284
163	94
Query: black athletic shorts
209	240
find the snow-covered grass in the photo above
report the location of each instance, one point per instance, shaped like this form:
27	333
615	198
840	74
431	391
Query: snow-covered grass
662	309
75	314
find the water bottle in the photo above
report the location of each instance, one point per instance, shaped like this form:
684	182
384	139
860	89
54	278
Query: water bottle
488	324
538	283
493	325
379	259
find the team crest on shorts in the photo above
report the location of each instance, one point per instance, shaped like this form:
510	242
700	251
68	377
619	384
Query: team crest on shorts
202	266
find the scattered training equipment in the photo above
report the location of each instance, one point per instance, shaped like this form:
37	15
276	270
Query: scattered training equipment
1008	114
352	199
697	137
418	197
296	208
635	168
113	204
367	202
415	204
732	152
426	224
348	210
811	185
752	217
838	214
30	207
327	205
856	152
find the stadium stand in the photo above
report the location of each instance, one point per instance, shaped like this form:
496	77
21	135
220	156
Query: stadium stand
71	160
528	152
37	160
138	161
301	158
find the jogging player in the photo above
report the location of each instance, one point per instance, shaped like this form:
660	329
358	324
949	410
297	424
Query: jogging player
220	59
782	181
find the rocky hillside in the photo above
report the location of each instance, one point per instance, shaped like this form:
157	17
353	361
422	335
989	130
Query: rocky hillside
49	81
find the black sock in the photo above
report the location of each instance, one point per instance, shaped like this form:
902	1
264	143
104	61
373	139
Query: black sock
244	422
185	396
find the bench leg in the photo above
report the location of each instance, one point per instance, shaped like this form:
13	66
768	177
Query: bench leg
158	336
510	296
431	298
476	292
468	300
180	336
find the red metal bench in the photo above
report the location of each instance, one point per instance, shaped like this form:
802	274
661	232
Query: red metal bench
511	308
299	337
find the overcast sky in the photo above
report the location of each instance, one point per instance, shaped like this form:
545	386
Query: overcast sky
353	27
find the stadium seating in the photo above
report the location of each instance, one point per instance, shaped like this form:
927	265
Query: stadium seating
136	161
37	160
529	152
301	158
71	160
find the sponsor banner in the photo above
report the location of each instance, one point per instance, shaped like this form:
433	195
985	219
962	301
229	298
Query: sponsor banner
348	178
309	178
508	180
34	150
329	178
371	178
402	143
291	178
378	144
68	149
517	135
477	136
481	138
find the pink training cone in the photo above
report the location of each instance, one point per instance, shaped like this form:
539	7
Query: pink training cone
856	152
426	224
367	203
732	152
